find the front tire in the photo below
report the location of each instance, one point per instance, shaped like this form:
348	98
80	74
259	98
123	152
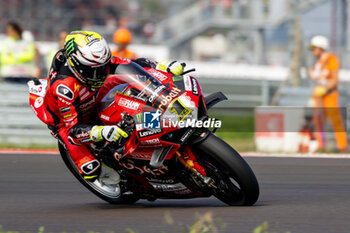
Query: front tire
235	181
95	187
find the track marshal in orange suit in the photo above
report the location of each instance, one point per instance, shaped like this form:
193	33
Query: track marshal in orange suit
325	96
123	38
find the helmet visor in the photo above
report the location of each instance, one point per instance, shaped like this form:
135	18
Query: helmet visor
95	76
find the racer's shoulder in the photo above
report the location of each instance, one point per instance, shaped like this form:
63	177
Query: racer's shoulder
67	88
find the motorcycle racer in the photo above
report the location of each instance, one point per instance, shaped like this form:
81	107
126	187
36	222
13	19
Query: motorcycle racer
77	75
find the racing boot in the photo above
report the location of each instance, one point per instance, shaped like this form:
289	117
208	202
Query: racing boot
109	177
89	169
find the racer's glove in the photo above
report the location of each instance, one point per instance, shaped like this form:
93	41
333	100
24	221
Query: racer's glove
174	67
110	133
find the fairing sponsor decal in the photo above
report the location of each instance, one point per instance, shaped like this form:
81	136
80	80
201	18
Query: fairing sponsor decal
65	92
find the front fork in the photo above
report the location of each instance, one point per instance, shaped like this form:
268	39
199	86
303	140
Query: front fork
188	159
190	163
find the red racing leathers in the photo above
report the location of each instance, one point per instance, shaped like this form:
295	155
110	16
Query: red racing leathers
72	108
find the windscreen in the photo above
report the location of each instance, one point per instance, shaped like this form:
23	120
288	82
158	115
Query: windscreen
134	82
141	84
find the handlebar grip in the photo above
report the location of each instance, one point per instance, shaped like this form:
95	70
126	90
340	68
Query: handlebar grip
188	71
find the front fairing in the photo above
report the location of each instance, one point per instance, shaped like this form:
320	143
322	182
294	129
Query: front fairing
141	95
140	90
38	100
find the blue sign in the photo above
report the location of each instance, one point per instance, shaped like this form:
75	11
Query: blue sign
151	120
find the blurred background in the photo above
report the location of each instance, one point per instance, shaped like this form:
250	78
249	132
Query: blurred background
255	51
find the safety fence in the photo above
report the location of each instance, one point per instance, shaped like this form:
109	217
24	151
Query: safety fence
19	125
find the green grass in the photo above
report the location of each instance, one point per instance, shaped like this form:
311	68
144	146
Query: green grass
236	124
240	142
238	131
203	223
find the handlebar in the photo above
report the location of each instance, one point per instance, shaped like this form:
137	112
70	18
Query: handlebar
188	71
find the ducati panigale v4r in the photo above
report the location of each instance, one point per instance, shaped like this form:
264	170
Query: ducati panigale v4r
167	154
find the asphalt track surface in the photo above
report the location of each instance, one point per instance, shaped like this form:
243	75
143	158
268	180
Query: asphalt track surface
297	195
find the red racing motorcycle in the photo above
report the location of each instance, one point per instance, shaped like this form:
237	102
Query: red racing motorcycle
171	151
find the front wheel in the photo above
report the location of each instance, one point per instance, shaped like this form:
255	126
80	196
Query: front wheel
233	180
106	191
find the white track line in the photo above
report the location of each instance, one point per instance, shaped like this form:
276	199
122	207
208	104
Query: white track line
296	155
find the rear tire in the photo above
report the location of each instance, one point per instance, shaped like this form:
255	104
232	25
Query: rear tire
236	182
113	199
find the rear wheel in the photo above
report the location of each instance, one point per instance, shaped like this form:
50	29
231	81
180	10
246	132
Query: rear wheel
234	181
105	190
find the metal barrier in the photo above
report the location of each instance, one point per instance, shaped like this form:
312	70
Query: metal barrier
18	123
20	126
241	93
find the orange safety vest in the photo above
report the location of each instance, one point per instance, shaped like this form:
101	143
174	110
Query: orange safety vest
326	68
